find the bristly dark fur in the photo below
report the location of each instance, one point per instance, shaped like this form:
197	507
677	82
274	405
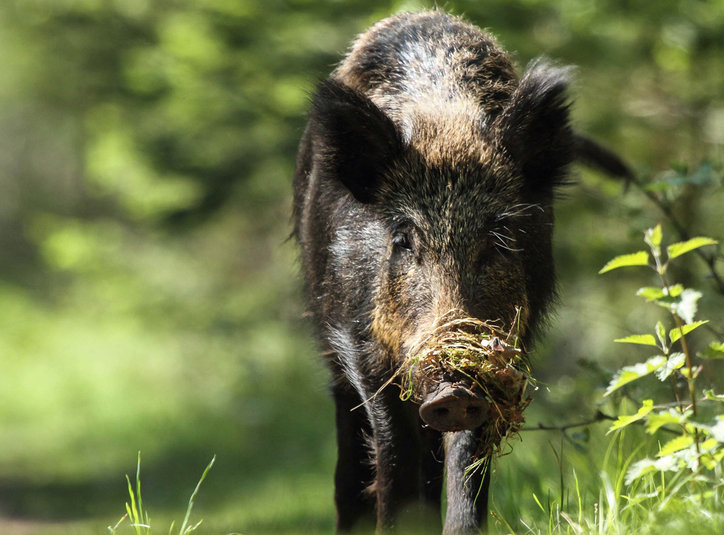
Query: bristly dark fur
425	183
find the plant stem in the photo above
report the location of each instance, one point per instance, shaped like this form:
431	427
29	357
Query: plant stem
709	260
661	270
690	379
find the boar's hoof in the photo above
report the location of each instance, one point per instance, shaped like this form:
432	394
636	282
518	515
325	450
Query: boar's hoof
454	408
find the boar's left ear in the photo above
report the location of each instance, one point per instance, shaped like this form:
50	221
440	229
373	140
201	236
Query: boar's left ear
354	140
534	128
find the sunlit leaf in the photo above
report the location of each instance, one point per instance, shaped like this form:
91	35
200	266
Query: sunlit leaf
668	302
678	249
674	290
690	374
674	362
676	444
711	460
668	417
661	335
714	351
646	466
659	185
675	334
623	421
651	293
708	444
711	396
717	430
643	339
686	307
635	259
638	469
652	237
630	373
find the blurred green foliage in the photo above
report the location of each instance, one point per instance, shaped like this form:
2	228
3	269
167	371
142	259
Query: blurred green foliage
149	299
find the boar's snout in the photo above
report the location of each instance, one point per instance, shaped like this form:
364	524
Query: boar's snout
453	407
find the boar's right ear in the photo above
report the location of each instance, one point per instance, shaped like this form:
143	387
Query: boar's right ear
353	139
534	128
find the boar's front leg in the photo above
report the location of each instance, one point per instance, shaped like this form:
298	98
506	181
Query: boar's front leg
432	473
354	473
397	457
467	494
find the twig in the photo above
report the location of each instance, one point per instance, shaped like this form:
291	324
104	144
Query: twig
599	417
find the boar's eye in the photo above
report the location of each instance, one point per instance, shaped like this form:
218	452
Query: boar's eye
401	240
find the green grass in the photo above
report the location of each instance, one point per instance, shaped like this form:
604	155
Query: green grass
590	499
545	486
140	521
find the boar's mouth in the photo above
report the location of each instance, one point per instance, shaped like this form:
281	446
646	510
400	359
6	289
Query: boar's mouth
467	373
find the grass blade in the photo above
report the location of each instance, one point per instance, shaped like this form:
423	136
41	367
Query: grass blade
184	529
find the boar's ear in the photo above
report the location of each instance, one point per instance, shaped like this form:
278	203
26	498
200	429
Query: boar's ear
534	128
353	139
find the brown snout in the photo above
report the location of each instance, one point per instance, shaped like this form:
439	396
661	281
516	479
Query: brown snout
453	407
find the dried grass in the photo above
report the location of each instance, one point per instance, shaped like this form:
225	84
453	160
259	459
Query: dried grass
485	359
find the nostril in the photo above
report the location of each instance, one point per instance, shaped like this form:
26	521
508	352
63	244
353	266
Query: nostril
453	408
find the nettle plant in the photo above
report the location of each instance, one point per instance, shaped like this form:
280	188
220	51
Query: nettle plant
697	446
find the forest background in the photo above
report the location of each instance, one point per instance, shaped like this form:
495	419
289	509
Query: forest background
149	299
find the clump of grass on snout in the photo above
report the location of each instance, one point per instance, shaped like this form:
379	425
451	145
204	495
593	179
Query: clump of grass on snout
481	357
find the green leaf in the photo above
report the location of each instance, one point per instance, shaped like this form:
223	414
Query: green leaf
667	417
676	444
647	466
635	259
690	374
678	249
677	333
675	361
668	302
651	293
639	469
671	300
675	290
708	444
686	307
710	461
652	237
714	351
661	335
710	395
630	373
623	421
643	339
659	185
717	430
